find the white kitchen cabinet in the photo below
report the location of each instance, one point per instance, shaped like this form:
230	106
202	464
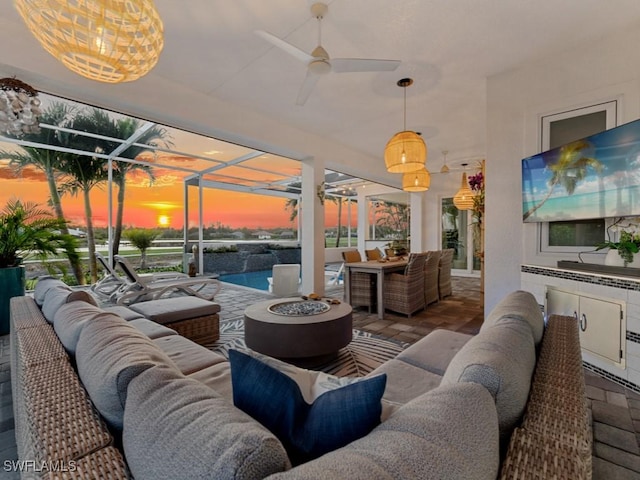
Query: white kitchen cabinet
601	321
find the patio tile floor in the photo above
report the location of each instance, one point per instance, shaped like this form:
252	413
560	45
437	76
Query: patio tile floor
616	410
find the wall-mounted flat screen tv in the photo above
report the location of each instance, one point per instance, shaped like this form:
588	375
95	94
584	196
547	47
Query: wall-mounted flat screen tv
595	177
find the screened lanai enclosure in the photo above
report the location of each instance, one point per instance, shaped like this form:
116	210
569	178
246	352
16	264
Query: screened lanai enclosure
102	170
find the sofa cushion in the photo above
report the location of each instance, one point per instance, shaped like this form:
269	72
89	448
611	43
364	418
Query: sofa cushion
174	309
188	356
109	354
502	359
174	425
124	312
448	433
151	329
307	431
435	351
217	377
55	297
82	296
44	283
522	306
71	318
405	381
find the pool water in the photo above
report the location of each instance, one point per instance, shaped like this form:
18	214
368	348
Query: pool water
256	279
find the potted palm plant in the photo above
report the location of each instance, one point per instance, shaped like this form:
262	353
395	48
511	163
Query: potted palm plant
25	229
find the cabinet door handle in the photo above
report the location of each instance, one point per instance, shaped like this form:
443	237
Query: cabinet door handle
575	315
583	322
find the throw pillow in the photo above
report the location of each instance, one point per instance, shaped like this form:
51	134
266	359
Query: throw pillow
307	430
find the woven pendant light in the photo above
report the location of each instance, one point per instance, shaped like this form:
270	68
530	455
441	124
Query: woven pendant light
109	41
463	199
445	167
418	181
406	151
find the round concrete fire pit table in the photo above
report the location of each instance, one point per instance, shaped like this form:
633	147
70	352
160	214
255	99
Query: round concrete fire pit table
280	328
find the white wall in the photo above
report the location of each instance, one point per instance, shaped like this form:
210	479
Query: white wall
581	76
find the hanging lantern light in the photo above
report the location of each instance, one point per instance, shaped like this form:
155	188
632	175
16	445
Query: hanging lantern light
463	199
406	151
109	41
445	167
418	181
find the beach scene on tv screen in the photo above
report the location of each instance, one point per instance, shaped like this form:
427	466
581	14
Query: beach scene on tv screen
598	176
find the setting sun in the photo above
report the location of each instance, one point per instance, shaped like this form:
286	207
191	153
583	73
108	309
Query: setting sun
164	220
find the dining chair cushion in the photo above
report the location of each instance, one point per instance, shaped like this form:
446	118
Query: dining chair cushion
351	256
373	254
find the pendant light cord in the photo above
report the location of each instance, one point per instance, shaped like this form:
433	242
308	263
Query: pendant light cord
405	109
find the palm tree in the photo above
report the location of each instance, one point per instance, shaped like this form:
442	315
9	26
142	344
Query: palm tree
153	137
338	201
293	203
98	121
142	239
83	173
45	160
568	171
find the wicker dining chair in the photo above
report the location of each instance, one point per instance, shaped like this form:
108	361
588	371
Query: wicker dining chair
431	274
363	285
404	292
444	276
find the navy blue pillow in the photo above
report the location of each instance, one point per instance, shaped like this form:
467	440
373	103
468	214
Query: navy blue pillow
336	418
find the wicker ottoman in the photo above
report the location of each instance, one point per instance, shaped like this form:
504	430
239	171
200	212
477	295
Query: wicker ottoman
192	317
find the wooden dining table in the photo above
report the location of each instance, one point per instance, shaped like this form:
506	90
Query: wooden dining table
380	269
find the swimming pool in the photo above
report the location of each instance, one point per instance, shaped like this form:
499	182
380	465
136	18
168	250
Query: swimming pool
256	279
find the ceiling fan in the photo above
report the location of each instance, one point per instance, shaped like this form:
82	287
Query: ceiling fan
319	63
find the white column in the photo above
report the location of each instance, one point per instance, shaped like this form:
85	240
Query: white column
312	213
185	258
363	220
417	228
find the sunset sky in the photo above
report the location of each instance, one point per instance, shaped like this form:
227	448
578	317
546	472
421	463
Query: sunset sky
145	204
183	154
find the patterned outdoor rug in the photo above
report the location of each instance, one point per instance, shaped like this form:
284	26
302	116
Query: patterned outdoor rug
361	356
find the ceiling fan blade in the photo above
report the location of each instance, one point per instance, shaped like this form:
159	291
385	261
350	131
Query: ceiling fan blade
287	47
343	65
307	87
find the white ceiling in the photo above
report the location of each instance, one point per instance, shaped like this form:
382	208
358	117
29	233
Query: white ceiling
448	47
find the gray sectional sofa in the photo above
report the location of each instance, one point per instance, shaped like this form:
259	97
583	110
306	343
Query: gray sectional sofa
98	396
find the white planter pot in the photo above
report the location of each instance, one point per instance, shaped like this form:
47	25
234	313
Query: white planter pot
613	259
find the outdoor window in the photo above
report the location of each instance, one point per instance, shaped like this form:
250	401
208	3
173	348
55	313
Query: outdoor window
559	129
388	220
458	232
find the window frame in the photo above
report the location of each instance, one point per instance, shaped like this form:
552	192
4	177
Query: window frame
611	108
